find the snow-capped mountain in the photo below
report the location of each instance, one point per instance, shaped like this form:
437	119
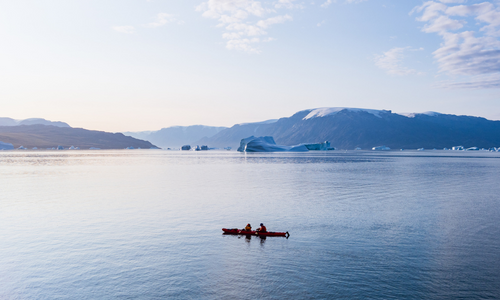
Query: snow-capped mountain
349	128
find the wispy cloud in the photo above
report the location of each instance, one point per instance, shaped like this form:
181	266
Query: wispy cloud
124	29
290	4
464	52
391	61
163	19
328	2
475	82
245	22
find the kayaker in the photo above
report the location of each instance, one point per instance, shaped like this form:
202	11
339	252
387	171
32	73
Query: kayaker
248	227
262	228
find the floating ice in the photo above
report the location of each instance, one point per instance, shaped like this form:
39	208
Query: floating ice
381	148
6	146
267	144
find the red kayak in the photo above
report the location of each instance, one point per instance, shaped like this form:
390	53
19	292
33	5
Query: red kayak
253	232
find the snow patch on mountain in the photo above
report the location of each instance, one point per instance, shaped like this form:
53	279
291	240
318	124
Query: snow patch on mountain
329	111
259	123
427	113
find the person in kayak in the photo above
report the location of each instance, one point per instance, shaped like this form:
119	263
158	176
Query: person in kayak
262	228
248	227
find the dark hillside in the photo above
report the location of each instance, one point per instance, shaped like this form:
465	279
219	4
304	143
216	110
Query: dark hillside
44	136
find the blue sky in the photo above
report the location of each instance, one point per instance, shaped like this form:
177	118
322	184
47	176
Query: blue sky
144	65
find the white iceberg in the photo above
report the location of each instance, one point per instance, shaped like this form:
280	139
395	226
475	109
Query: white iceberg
267	144
381	148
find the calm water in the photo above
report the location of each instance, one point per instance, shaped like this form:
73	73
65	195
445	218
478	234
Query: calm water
146	224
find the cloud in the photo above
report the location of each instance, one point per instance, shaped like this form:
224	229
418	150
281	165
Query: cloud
465	52
124	29
327	3
288	4
390	61
477	82
162	19
245	22
274	20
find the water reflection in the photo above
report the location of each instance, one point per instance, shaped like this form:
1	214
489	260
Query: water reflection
142	224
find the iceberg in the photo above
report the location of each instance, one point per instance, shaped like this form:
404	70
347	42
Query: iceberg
267	144
381	148
319	146
457	148
6	146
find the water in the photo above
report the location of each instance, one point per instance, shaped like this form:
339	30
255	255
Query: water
146	224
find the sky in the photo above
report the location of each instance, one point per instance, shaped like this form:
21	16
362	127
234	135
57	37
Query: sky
134	65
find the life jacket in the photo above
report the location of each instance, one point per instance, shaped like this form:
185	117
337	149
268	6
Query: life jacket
263	228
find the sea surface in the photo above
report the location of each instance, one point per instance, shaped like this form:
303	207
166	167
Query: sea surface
146	224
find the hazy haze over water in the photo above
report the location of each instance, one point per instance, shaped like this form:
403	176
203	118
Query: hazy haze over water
146	224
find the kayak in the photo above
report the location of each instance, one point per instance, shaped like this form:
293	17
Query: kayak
253	232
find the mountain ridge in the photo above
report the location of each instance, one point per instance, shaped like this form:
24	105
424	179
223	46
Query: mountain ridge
46	136
350	128
176	136
4	121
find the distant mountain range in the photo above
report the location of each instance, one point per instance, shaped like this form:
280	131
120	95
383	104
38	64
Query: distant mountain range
349	128
176	136
48	136
344	128
32	121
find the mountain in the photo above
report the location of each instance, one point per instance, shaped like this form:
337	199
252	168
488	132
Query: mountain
32	121
177	136
232	136
348	128
46	136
